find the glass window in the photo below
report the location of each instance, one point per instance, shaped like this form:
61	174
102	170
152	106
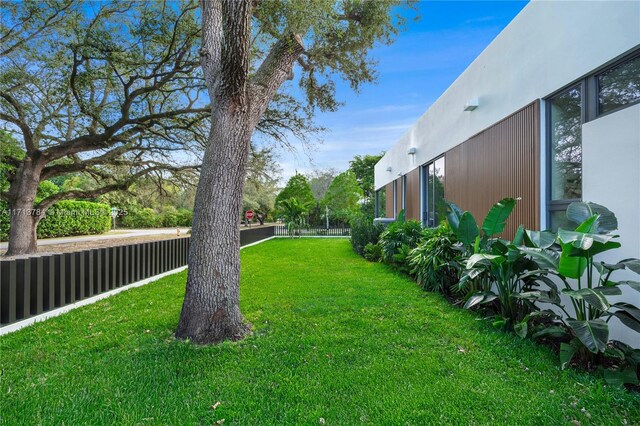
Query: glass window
566	145
381	202
435	208
440	206
619	86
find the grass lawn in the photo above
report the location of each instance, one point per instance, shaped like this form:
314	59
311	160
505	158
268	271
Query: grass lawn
335	337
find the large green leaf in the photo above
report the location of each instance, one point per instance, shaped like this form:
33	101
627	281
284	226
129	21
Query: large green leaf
545	258
539	296
402	218
596	248
628	320
478	298
633	264
578	212
453	216
594	334
481	258
628	314
574	266
552	331
619	378
496	219
583	240
567	351
540	239
633	284
571	266
467	229
518	238
589	295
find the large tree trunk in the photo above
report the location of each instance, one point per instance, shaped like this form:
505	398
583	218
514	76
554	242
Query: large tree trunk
23	218
211	312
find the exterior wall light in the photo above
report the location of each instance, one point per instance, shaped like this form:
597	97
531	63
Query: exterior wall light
471	104
389	169
411	151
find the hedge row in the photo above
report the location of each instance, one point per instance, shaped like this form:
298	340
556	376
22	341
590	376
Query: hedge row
66	218
148	218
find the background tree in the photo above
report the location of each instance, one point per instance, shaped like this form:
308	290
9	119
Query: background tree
92	84
362	166
319	180
89	87
343	197
297	187
327	40
261	184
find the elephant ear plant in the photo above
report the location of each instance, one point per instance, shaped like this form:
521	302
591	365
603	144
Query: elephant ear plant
587	320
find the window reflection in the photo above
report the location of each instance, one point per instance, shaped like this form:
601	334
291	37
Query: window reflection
619	86
566	145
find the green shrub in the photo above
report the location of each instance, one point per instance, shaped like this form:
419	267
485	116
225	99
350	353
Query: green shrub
397	235
71	217
185	217
141	218
364	232
372	252
431	261
4	220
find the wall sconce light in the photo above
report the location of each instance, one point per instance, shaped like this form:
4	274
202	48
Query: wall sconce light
389	169
471	104
399	174
411	151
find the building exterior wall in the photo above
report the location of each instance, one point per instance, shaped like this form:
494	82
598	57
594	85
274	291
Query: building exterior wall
611	177
501	161
548	45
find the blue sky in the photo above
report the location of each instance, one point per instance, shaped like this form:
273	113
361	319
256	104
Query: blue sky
413	73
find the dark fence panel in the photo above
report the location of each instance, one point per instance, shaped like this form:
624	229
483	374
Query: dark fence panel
282	231
33	285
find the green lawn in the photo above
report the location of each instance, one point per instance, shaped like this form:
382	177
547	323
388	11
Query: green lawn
335	337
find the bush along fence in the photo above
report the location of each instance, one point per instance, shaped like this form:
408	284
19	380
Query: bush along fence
34	285
508	280
284	231
65	218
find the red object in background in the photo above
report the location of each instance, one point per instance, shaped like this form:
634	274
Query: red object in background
249	214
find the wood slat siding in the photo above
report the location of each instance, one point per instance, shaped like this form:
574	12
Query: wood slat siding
412	193
501	161
388	207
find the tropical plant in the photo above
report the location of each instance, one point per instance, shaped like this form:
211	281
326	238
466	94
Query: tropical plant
294	212
586	322
372	252
432	261
398	234
495	271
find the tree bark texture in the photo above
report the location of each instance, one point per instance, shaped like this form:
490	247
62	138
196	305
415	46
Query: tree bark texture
211	312
23	219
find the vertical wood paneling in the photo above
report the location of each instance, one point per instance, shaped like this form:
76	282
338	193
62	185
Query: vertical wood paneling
388	207
501	161
398	196
412	192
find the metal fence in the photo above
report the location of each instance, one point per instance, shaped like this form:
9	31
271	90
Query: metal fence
33	285
282	231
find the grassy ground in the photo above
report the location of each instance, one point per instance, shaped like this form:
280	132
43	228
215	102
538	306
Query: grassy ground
335	338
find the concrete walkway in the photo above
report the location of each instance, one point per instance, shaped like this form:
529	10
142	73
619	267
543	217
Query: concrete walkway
111	235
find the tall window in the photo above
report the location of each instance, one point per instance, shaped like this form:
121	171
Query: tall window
381	202
566	152
615	87
434	207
